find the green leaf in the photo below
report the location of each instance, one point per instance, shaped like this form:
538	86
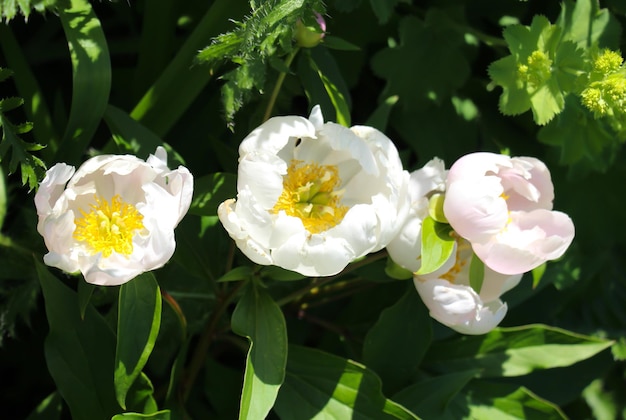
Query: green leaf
587	25
513	351
336	43
280	274
324	65
210	191
91	78
437	245
259	318
380	116
9	104
429	63
322	385
429	398
159	415
79	352
130	135
395	345
10	8
537	274
48	409
496	400
139	319
85	291
476	273
383	9
237	274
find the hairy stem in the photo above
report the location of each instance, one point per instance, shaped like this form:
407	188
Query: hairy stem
279	83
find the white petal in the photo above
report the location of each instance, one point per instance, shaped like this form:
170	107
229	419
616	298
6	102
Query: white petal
273	135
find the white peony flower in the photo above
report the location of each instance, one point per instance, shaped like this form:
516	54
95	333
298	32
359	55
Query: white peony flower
114	217
312	197
406	248
451	300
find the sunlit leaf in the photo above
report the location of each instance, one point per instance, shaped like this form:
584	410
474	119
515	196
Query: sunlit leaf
322	385
259	318
437	245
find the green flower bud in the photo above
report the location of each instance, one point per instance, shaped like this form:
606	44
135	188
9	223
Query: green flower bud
309	35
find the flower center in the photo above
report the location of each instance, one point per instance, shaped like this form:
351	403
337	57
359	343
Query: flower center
108	227
309	194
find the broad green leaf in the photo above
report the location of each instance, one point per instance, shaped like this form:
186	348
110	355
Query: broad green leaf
91	78
380	116
159	415
140	397
496	400
210	191
513	351
80	353
429	398
476	273
3	199
437	245
587	25
259	318
320	385
395	344
537	274
138	322
394	271
429	63
383	9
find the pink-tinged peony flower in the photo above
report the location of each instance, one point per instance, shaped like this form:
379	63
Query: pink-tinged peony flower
313	196
451	300
114	217
405	248
503	207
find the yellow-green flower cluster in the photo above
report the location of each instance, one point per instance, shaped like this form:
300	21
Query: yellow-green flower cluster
605	94
537	69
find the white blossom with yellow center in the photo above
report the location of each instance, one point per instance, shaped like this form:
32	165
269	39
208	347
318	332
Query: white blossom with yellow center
314	196
114	217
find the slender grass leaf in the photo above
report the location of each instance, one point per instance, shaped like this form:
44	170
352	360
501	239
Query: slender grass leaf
320	385
259	318
139	319
91	79
513	351
324	65
49	409
80	353
395	344
380	116
180	83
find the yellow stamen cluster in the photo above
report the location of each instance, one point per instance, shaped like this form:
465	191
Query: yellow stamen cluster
109	227
537	69
607	62
309	193
460	263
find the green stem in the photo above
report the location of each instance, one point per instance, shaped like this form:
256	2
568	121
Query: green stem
205	340
279	83
318	282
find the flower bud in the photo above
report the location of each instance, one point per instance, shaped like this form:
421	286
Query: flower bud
309	34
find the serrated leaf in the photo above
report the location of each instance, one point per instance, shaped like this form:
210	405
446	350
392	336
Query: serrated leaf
437	245
10	8
322	385
514	351
259	318
395	344
428	64
138	323
8	104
